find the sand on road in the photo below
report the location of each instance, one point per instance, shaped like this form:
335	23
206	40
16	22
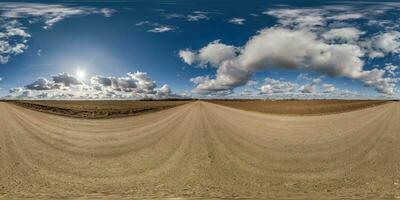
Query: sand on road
201	150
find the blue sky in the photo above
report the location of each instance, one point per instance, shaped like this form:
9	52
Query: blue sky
160	49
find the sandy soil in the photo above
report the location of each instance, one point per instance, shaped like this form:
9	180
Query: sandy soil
98	109
300	107
201	150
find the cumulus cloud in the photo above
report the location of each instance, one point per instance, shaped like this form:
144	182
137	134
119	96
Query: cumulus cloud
16	90
64	86
164	91
13	39
391	69
340	28
375	78
60	81
328	88
41	84
144	82
66	79
310	87
126	84
382	44
387	42
273	86
214	54
187	56
299	18
288	49
237	21
344	34
324	16
309	39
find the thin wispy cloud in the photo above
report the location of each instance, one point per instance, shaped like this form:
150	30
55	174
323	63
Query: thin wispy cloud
156	27
14	36
194	16
237	21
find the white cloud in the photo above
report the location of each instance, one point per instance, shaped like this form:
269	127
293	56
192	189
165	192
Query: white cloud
156	27
143	81
107	12
381	84
60	81
162	29
382	44
345	34
137	84
13	39
187	56
296	43
309	88
66	79
290	49
13	35
41	84
391	69
278	47
347	16
387	42
273	86
64	86
141	23
194	16
16	90
251	83
299	18
164	91
214	54
49	13
328	88
197	17
237	21
304	76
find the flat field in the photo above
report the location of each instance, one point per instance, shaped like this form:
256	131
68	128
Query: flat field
201	150
300	107
99	109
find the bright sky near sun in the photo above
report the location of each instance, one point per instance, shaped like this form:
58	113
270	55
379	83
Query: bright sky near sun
207	49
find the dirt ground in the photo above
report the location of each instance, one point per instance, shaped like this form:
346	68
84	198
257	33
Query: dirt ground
98	109
300	107
201	150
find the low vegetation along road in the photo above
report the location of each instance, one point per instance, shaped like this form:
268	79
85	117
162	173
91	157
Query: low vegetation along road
201	149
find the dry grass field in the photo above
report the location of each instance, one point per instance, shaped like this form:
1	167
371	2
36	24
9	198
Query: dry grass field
201	150
300	107
98	109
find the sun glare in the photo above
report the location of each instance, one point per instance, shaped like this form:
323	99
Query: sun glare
80	74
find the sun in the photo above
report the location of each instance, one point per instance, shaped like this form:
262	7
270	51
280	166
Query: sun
80	74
